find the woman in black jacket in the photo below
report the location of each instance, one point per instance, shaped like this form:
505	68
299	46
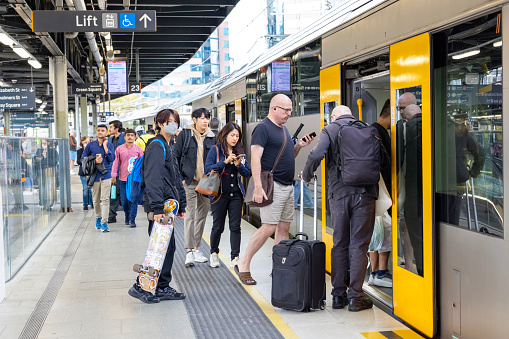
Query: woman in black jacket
231	163
162	182
87	192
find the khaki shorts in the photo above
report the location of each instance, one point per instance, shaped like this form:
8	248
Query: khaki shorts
282	207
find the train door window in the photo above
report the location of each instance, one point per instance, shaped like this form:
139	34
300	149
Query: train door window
409	183
468	126
369	94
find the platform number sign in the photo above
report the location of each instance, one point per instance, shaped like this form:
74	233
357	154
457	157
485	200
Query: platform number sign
135	88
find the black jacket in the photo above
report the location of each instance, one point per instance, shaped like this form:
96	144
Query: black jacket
78	161
89	168
161	177
187	157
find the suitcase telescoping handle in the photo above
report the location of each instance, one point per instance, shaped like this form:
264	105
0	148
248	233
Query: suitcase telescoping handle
301	219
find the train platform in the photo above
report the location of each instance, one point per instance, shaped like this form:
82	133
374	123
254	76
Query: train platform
75	285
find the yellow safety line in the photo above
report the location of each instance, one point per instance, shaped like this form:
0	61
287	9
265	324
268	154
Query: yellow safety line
405	334
267	308
373	335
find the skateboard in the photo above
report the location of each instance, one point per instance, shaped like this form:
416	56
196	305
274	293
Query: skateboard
157	246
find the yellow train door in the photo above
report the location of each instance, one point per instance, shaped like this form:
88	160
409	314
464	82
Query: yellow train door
411	160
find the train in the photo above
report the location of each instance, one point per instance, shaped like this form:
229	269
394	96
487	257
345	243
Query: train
449	55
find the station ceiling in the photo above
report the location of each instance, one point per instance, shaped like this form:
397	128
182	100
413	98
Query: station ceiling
182	27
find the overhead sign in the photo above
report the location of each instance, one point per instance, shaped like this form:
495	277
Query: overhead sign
135	88
117	77
93	21
87	88
31	118
18	97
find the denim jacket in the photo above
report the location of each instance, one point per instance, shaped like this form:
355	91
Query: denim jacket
211	165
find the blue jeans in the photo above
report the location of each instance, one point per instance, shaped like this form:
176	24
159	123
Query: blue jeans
87	192
130	209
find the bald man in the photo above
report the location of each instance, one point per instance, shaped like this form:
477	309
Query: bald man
353	218
404	101
413	182
266	142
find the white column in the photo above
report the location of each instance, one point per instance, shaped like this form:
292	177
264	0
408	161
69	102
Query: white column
58	78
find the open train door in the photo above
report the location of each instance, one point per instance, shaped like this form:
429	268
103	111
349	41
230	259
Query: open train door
330	97
412	216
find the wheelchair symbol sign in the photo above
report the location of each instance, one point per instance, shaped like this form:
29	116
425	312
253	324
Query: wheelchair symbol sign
127	20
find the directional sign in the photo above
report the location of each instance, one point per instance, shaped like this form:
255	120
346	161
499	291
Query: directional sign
31	118
87	88
135	88
94	21
19	97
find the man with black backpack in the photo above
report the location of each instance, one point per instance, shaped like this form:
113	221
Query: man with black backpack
356	159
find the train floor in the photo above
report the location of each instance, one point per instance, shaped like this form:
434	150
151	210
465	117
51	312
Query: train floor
75	286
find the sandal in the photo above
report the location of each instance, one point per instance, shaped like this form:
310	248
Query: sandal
245	277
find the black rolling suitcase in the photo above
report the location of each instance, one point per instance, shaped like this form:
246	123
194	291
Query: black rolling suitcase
298	269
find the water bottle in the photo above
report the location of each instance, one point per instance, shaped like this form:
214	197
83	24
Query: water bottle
114	192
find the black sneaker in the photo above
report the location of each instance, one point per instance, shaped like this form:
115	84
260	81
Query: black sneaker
132	223
146	297
357	305
112	220
85	208
339	302
169	293
126	222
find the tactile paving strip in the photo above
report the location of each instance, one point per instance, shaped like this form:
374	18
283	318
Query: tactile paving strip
34	324
217	305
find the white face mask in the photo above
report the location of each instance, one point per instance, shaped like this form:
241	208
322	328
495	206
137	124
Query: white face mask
171	128
44	146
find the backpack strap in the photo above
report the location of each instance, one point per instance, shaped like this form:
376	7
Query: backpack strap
164	147
281	150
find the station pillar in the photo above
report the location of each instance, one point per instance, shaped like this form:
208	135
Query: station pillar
84	116
58	78
94	116
7	123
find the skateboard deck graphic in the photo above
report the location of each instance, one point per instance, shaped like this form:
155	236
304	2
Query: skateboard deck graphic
157	246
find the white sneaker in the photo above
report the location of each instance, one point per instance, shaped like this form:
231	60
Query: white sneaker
199	257
214	260
190	259
383	281
73	173
234	262
371	278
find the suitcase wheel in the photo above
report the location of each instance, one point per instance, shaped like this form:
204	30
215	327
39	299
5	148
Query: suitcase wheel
322	305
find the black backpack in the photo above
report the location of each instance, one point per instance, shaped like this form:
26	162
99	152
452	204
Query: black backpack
358	157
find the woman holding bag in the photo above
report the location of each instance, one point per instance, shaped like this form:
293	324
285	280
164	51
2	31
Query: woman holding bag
228	159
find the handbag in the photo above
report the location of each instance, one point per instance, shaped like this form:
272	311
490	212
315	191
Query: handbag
209	183
267	179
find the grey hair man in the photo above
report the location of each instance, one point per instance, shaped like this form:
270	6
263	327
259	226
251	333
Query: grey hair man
353	217
411	110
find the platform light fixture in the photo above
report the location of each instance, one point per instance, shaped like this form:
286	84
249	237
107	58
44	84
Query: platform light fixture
38	101
5	38
19	50
466	54
34	62
497	44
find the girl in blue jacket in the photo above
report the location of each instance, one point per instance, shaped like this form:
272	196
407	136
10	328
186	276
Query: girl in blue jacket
232	164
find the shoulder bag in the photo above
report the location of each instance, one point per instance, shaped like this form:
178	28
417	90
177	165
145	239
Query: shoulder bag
209	183
267	179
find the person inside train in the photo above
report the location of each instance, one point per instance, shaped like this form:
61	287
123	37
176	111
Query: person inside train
268	138
227	158
162	182
191	149
353	217
413	183
379	259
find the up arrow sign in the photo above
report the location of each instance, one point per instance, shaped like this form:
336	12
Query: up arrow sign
144	18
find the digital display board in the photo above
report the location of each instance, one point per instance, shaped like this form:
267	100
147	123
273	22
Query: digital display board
281	76
117	76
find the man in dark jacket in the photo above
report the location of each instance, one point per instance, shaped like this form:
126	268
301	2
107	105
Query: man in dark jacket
117	138
105	154
353	218
162	182
191	148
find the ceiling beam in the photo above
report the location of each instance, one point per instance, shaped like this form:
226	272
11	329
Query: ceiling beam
201	31
157	38
166	3
152	45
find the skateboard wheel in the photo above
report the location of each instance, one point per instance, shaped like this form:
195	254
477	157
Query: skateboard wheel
137	268
153	272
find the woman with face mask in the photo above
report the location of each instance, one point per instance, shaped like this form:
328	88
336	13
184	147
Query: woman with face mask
87	192
231	164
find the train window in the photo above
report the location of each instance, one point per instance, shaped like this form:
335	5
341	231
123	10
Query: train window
468	127
409	185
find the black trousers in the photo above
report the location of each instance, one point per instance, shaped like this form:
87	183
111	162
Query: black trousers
353	220
115	204
165	276
230	203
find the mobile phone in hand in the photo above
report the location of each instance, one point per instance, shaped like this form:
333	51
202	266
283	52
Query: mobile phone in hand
311	135
241	156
